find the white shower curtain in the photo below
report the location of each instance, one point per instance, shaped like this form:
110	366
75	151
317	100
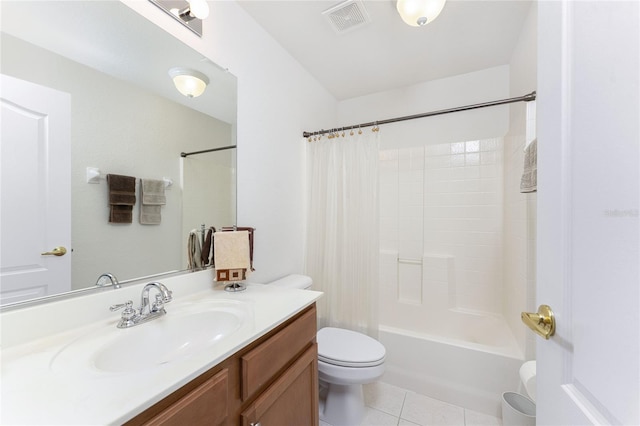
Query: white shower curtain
342	229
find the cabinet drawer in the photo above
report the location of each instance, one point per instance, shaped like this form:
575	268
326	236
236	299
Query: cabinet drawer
206	404
263	363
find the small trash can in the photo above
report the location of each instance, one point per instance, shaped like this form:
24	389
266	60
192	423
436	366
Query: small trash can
517	410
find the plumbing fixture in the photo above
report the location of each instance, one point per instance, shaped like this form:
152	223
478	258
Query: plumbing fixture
109	278
164	296
147	312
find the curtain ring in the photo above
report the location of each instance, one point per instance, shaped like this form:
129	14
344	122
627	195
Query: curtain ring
359	130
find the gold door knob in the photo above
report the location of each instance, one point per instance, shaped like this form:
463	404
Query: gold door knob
58	251
542	323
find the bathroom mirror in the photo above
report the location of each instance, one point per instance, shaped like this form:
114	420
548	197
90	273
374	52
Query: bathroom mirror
127	118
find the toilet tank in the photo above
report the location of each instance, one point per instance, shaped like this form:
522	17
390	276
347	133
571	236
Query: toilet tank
293	281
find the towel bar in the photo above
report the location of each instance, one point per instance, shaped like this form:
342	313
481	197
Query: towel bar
94	176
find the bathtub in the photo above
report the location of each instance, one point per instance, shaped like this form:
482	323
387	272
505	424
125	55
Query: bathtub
467	360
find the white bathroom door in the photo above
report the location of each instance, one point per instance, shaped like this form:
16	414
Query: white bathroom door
588	191
35	185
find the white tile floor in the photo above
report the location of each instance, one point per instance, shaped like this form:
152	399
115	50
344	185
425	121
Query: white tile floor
389	405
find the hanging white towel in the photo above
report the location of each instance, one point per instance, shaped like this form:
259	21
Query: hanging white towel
529	181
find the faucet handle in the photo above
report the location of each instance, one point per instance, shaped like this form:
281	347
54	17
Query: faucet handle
129	315
126	305
158	305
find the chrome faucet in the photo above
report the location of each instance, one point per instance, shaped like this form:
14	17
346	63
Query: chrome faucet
132	317
164	296
114	281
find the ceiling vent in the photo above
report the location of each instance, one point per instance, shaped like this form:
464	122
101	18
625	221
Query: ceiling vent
347	16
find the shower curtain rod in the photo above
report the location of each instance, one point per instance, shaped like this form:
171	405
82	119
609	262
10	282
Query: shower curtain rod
526	98
186	154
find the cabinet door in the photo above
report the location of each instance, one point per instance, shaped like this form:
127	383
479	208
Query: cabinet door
262	364
206	404
293	397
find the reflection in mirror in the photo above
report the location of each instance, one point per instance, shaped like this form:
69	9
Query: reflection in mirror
125	117
210	173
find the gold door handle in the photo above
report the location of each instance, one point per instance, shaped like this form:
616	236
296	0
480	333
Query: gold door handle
58	251
543	322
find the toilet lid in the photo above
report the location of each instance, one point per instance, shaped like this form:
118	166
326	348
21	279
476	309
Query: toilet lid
348	348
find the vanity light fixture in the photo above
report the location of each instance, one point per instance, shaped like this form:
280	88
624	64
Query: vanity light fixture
189	13
418	13
189	82
194	9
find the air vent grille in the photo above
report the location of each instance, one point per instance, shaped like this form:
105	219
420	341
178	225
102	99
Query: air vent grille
347	16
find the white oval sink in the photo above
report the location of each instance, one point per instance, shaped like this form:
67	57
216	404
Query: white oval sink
175	336
165	340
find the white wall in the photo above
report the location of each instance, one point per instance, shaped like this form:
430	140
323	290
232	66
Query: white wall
520	209
277	100
467	89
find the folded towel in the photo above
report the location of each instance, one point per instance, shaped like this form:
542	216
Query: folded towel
122	190
120	214
152	196
194	250
150	215
122	197
231	250
152	191
529	181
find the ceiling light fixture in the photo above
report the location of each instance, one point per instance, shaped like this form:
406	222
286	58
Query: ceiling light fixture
189	82
418	13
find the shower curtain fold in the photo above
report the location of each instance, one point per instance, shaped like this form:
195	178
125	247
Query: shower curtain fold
342	230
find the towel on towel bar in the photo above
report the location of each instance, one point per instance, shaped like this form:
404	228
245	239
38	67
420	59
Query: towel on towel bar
152	195
122	197
529	181
250	230
194	250
231	255
206	248
153	192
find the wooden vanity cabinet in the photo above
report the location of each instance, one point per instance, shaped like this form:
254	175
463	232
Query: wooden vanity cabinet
206	404
287	401
272	382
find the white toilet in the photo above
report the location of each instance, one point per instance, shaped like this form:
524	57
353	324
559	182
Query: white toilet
346	360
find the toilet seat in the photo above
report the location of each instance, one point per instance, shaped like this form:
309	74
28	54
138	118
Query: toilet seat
346	348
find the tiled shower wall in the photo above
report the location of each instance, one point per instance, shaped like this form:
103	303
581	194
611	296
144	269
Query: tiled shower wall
441	216
520	229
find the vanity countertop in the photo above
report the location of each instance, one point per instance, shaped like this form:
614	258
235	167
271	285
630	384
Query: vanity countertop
38	390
